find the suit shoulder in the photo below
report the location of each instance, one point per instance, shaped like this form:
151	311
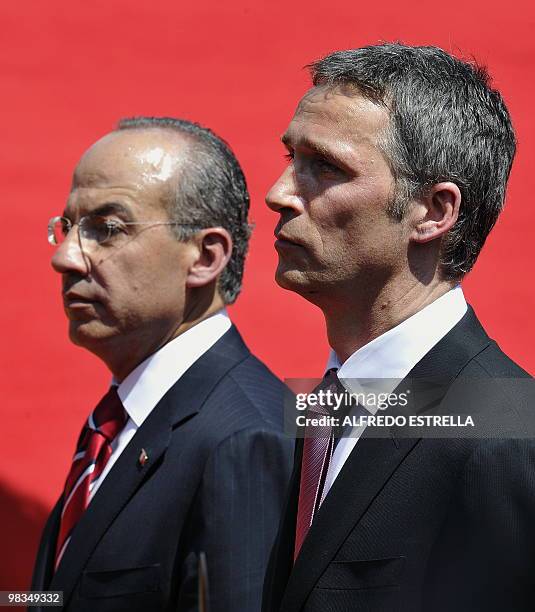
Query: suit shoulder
494	363
262	388
251	372
249	395
503	468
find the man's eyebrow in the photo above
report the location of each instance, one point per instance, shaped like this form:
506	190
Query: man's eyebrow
111	208
316	147
108	208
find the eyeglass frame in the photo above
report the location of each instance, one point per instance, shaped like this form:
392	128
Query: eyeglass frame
108	223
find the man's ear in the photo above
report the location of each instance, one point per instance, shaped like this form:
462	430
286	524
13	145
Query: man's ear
435	213
214	249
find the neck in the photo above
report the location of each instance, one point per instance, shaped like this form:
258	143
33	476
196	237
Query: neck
200	304
351	324
197	312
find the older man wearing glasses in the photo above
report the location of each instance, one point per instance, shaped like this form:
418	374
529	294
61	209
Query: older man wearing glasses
184	457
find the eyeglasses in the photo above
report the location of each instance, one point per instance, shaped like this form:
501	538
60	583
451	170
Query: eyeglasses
97	230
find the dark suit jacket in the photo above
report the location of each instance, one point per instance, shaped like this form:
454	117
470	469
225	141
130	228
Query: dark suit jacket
421	525
215	482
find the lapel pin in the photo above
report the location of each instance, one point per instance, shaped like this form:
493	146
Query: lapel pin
143	458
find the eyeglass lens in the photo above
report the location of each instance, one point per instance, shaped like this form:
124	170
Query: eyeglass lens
94	230
58	230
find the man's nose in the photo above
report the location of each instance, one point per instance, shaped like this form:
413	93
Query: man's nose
284	194
69	256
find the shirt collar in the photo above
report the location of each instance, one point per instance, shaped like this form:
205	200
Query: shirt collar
145	386
393	354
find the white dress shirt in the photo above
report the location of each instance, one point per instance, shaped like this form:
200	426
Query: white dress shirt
145	386
392	356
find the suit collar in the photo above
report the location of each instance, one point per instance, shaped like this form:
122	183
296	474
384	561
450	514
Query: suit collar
145	386
188	395
430	379
181	402
450	355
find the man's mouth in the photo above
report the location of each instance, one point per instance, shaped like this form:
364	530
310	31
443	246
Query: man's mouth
284	241
75	300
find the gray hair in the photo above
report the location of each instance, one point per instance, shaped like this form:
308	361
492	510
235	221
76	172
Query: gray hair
214	193
446	124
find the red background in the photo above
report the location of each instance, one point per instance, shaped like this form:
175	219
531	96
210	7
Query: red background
71	69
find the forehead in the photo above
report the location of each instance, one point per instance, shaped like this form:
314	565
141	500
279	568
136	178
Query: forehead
130	164
338	117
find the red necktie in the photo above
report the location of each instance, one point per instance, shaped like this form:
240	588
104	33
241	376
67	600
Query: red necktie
317	452
92	454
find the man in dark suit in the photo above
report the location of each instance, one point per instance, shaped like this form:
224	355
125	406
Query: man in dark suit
398	163
185	454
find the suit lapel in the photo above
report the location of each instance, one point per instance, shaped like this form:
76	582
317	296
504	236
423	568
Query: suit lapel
44	563
364	474
180	403
368	468
121	483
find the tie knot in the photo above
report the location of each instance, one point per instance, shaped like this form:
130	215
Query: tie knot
109	417
331	381
329	387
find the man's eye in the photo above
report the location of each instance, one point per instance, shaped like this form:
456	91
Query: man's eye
115	227
314	164
101	229
108	226
322	165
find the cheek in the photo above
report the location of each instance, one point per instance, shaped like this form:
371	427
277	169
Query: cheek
143	288
361	203
334	212
351	223
313	185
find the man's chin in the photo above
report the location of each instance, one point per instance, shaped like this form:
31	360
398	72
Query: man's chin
88	334
292	280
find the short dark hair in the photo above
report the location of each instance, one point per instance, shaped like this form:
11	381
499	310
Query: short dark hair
446	124
213	192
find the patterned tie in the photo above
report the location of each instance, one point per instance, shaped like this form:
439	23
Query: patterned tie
92	454
317	453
